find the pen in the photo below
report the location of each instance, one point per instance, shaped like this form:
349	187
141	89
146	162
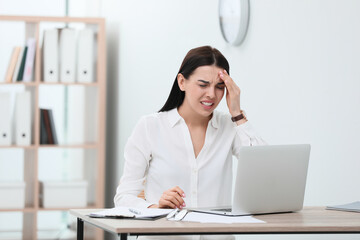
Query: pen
134	211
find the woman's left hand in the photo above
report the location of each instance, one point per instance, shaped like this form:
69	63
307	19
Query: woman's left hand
232	94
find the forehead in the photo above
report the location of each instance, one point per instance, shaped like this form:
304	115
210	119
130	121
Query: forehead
207	73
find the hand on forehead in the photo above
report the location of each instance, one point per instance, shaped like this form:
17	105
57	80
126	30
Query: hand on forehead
207	74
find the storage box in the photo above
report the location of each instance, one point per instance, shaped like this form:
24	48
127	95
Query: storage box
12	195
11	235
60	194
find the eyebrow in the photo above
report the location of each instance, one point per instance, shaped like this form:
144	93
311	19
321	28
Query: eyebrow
207	82
203	81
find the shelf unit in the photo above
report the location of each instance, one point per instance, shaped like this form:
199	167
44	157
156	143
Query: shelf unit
31	152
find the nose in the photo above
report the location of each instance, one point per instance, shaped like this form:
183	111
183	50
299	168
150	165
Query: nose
210	92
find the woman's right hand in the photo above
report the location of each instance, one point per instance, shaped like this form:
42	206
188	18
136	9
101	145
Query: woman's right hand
172	198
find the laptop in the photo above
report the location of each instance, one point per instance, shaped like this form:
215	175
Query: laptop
270	179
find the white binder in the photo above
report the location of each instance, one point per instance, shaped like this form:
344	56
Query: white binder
30	59
67	51
85	56
50	51
22	118
5	119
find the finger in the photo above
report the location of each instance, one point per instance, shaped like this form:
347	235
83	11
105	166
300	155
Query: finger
165	203
224	76
231	86
179	191
174	198
227	80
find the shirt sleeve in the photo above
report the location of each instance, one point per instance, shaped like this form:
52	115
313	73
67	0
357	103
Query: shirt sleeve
246	136
137	155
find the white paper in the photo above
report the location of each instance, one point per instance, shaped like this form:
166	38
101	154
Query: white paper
131	212
352	207
213	218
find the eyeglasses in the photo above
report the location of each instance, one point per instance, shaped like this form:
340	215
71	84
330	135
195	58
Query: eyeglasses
177	214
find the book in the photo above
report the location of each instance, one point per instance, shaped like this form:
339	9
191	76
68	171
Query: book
12	64
29	62
43	134
18	63
22	65
52	126
349	207
136	213
47	127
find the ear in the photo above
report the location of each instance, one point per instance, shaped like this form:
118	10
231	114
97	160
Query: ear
181	81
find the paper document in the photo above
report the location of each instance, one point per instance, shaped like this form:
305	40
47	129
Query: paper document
213	218
138	213
350	207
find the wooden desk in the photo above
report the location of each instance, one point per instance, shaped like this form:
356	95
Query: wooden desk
313	220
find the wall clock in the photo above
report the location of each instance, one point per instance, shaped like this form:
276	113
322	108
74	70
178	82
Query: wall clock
234	19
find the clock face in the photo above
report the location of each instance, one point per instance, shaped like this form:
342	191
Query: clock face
233	17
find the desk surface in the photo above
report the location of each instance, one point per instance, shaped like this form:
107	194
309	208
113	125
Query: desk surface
309	220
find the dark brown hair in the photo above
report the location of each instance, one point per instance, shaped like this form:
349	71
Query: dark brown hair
196	57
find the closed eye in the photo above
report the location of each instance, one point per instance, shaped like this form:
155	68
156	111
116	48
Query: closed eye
220	85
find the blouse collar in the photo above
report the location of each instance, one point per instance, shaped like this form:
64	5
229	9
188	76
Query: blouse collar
174	117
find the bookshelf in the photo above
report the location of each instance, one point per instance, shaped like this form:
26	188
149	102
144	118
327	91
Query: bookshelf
93	149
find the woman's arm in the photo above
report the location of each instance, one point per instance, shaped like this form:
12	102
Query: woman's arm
137	155
245	133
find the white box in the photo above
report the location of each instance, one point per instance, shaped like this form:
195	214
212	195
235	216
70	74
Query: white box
11	235
12	195
61	194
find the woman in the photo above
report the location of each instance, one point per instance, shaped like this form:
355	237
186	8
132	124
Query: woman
182	155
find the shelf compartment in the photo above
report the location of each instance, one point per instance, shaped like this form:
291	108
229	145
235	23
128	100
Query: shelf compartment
81	146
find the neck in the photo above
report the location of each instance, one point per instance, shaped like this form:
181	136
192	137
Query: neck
192	118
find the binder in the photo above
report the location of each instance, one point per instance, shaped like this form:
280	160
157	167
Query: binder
67	51
5	119
50	52
18	63
29	62
23	118
85	56
12	64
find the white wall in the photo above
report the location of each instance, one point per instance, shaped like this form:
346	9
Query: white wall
298	70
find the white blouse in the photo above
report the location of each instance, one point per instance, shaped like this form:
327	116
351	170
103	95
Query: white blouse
159	155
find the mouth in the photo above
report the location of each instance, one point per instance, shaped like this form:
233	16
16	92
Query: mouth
207	105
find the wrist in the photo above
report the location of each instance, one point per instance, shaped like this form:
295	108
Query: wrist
238	116
153	206
235	114
242	121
